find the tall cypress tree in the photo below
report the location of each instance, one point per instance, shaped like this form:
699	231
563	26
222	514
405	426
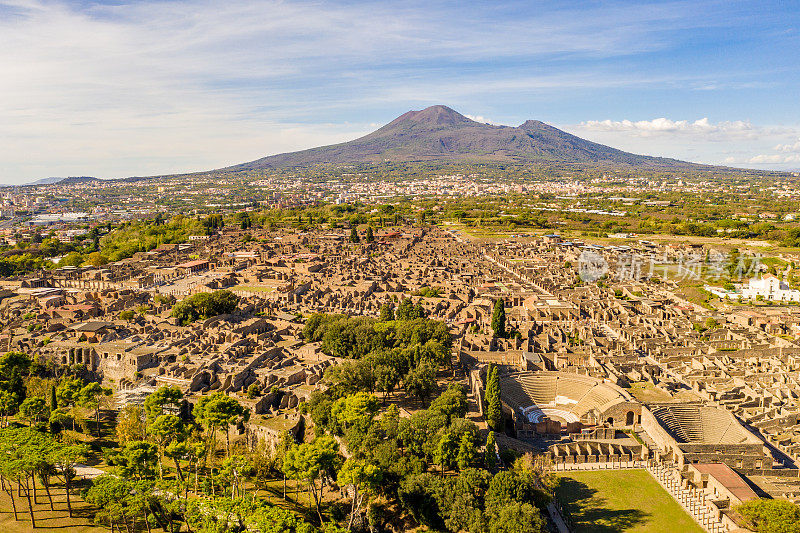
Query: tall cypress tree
499	318
487	392
490	456
494	409
53	400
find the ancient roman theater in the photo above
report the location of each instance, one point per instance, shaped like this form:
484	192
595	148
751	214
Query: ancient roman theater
572	400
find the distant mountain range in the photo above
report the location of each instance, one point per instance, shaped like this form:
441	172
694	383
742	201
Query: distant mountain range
45	181
63	181
438	133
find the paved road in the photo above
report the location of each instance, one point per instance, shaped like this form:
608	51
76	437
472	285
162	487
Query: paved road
88	472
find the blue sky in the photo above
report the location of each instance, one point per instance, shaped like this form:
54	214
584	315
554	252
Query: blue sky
115	89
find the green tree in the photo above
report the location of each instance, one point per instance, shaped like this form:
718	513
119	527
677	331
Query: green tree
68	394
462	501
7	407
204	305
96	259
120	501
406	310
418	494
131	424
219	411
137	460
510	485
66	457
14	367
466	452
236	469
245	222
421	381
514	517
494	409
490	455
418	434
273	519
452	402
387	313
91	397
363	477
386	378
166	429
53	398
447	451
57	422
370	236
285	444
253	391
34	409
312	463
354	238
164	400
354	412
499	319
25	453
771	516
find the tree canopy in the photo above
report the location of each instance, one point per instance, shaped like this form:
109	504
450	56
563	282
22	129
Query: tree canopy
204	305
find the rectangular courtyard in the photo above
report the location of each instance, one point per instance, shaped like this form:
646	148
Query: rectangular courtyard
621	500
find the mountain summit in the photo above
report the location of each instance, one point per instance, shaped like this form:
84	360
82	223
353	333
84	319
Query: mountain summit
438	133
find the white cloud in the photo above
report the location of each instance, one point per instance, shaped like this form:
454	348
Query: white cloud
788	153
788	147
481	119
733	142
665	126
774	158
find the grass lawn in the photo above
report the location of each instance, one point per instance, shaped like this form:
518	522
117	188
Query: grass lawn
622	500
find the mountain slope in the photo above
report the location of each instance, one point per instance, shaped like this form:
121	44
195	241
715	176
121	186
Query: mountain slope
439	133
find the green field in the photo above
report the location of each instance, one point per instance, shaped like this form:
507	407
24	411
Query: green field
621	500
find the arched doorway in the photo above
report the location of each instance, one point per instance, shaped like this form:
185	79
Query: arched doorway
629	418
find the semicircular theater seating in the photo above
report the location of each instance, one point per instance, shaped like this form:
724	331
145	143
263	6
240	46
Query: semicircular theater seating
706	424
559	395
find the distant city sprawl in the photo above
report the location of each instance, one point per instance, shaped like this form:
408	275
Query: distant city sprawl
408	348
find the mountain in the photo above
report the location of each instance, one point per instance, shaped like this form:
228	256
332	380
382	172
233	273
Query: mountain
71	180
439	133
45	181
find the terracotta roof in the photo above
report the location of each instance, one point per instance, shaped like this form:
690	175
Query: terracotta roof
729	479
196	262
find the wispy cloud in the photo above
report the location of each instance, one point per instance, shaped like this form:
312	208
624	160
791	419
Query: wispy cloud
774	158
788	153
481	119
737	142
665	126
795	147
